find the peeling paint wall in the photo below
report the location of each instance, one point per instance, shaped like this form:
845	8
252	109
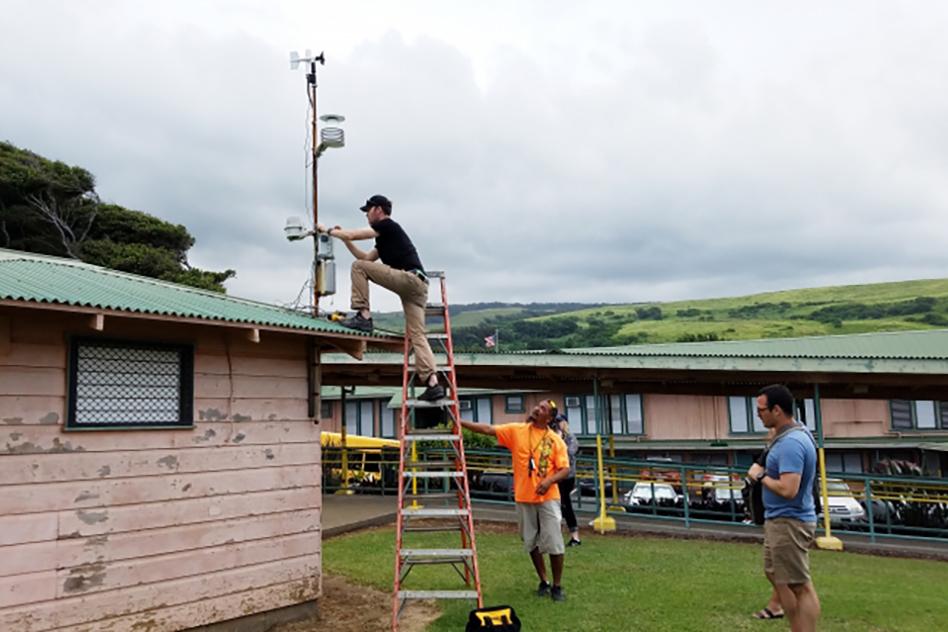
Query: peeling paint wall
156	529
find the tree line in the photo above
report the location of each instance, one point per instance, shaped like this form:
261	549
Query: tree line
51	208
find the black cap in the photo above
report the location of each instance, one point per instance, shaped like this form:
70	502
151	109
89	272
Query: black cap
377	200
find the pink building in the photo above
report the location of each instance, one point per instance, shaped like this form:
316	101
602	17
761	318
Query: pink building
881	395
159	451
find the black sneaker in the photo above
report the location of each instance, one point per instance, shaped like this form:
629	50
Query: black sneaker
432	393
543	590
573	542
557	594
356	321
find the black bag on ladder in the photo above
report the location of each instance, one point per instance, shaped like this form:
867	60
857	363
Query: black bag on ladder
493	618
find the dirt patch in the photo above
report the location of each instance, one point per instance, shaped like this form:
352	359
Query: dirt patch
348	607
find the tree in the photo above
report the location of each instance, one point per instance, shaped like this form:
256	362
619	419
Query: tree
49	207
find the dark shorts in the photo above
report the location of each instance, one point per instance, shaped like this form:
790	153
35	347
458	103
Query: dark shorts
787	550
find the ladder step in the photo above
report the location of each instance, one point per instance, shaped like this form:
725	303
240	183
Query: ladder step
434	513
431	464
434	309
437	336
434	496
451	553
437	594
434	274
423	436
451	474
423	403
432	528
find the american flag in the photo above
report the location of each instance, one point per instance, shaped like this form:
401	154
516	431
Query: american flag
489	342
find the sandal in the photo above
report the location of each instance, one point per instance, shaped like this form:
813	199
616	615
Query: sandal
767	613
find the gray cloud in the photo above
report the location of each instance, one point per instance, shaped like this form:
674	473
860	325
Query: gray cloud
617	154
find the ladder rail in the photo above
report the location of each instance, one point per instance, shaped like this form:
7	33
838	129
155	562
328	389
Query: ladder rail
462	461
412	475
399	520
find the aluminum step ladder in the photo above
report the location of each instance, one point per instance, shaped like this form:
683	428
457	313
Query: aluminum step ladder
433	494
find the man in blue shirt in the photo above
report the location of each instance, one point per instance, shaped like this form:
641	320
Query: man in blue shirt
789	511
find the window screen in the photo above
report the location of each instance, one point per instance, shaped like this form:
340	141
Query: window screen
367	418
574	412
352	417
592	425
115	384
388	420
925	415
485	412
615	413
633	411
325	409
738	410
513	404
901	414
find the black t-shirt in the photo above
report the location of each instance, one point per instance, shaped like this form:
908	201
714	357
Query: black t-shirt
394	246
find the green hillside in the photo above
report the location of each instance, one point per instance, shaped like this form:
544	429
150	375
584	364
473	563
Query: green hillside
805	312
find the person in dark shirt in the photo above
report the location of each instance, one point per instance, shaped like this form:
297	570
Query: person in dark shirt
394	264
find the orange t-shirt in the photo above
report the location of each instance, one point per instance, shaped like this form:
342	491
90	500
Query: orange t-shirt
549	456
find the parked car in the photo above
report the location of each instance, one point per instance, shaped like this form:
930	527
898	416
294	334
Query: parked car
645	495
494	482
844	509
587	487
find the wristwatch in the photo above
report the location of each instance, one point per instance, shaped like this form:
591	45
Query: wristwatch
761	476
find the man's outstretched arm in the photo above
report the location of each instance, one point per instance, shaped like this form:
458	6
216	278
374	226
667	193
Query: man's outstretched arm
484	429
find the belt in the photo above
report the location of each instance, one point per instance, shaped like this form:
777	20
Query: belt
420	274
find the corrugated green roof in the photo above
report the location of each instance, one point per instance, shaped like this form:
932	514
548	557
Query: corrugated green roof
929	344
39	279
918	352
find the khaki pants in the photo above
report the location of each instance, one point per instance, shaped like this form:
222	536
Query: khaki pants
540	527
787	545
414	294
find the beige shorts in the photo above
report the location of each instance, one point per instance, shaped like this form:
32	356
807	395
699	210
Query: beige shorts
787	550
540	527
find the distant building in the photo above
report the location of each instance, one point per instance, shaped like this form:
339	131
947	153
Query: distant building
883	395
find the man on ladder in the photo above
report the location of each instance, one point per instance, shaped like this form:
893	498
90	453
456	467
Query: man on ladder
400	271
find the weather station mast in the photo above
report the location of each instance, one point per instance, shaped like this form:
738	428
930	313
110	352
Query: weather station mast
330	136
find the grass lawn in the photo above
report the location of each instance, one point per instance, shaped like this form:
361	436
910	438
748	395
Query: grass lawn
639	583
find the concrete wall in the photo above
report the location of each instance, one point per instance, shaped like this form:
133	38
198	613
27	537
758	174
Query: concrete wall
156	529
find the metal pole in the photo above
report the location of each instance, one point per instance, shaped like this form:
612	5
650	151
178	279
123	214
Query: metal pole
315	144
869	511
603	523
827	541
345	450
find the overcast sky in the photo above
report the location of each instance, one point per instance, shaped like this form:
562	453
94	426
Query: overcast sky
536	151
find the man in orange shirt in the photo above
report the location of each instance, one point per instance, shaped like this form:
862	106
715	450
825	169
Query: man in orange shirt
540	460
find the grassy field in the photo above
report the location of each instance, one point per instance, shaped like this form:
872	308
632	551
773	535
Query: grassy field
636	583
